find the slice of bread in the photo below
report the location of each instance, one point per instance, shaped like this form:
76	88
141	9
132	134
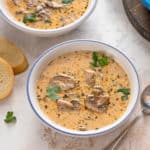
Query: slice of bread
13	56
6	79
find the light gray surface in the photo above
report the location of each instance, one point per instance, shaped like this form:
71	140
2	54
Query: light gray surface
108	24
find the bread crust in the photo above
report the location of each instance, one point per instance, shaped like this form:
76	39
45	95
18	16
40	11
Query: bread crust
8	50
5	93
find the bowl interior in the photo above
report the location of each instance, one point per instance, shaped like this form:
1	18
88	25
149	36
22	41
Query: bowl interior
14	22
70	46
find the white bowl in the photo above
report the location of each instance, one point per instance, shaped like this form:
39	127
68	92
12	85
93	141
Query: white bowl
48	32
70	46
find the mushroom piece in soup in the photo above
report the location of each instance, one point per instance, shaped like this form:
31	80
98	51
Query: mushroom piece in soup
83	90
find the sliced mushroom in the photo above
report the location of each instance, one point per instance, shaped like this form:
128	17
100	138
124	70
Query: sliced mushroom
31	3
53	4
97	103
66	82
90	77
76	104
73	98
39	8
44	14
64	104
16	2
97	90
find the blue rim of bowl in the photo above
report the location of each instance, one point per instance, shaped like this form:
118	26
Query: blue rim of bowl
76	134
16	25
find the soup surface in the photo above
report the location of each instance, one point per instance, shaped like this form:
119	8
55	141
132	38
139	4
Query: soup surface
83	90
47	14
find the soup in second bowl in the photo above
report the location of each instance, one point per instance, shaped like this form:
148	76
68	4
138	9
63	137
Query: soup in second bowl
47	14
83	90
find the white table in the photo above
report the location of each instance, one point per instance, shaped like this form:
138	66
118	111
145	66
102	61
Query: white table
108	24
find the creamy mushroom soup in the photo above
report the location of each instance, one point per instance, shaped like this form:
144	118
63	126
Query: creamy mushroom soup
83	90
47	14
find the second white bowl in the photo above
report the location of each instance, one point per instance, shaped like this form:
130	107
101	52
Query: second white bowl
48	32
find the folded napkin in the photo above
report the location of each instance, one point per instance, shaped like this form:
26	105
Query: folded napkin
146	3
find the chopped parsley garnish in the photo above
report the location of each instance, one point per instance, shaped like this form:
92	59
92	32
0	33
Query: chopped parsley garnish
29	18
95	58
10	117
66	1
125	92
52	92
99	62
103	61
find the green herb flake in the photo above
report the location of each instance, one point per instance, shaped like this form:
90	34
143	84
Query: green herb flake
10	117
103	61
99	62
52	92
66	1
29	18
125	92
95	58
